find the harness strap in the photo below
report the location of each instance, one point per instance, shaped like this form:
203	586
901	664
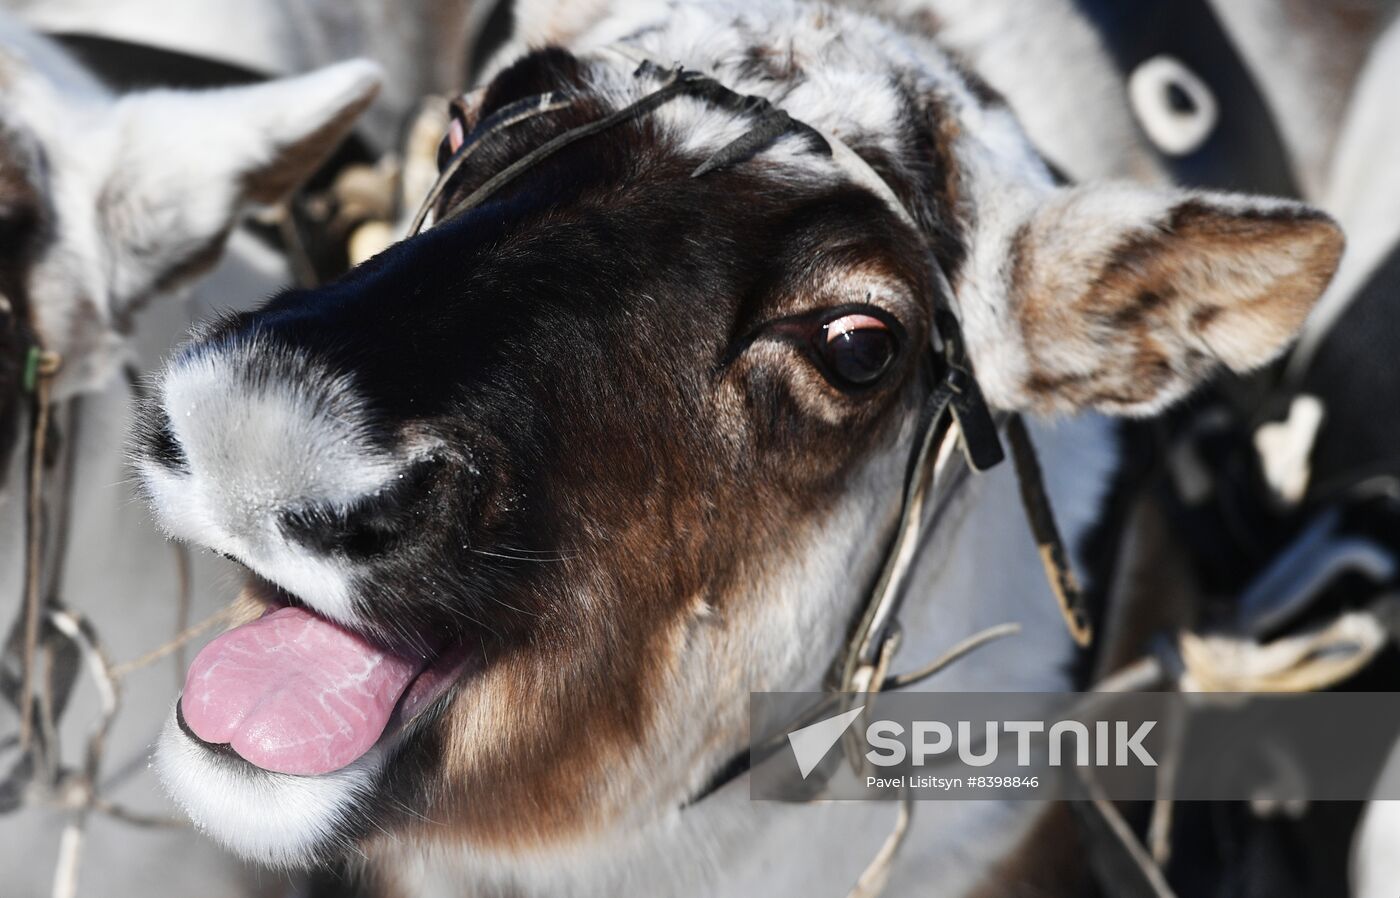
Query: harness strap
40	367
1118	858
1041	518
741	763
876	874
1245	151
512	115
677	84
877	624
772	124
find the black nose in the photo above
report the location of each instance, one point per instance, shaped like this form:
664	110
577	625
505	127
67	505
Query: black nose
373	525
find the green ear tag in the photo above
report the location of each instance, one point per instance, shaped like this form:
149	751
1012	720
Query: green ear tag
31	369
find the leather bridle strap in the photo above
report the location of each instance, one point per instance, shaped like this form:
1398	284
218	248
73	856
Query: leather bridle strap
38	369
513	114
772	124
954	412
1053	557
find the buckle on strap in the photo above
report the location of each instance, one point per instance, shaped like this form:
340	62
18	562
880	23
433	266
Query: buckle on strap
869	676
980	441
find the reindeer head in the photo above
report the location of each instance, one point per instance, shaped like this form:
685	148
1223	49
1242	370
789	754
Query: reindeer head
107	201
568	475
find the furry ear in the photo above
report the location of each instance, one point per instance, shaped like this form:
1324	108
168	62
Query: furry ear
187	163
1122	299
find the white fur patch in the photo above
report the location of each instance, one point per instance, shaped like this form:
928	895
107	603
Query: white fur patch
271	818
1285	447
265	432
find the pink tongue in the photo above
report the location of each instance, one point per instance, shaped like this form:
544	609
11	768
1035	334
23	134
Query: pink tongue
294	693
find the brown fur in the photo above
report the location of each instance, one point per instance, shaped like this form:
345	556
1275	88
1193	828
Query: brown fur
575	692
668	569
1154	314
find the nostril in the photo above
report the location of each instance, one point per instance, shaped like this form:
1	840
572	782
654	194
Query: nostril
356	533
373	525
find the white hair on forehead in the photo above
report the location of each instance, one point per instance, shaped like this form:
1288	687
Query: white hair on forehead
733	127
832	89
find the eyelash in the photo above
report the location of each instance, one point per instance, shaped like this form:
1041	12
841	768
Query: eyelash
805	331
805	325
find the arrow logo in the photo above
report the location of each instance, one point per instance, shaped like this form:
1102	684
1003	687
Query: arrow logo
811	743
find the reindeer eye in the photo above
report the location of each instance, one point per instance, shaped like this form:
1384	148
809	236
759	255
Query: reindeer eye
856	349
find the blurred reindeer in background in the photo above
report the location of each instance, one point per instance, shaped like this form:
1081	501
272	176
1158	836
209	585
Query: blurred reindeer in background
114	203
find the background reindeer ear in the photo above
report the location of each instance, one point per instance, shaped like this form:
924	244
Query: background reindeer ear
1122	299
188	162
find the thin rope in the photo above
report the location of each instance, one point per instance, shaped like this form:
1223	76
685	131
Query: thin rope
40	368
876	874
184	599
183	638
677	84
1053	556
956	653
513	115
82	788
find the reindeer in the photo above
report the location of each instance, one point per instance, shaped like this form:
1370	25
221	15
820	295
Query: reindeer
112	206
423	46
145	201
536	497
